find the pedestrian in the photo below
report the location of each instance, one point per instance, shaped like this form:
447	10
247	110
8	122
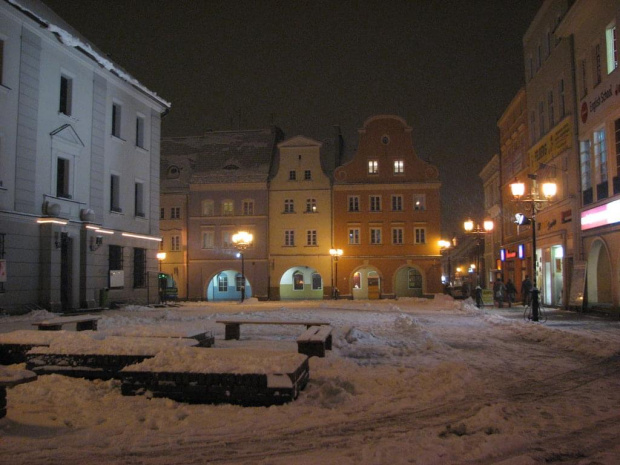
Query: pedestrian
499	292
511	292
526	291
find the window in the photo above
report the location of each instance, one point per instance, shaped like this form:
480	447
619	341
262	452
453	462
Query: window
354	203
310	205
375	236
311	237
208	239
414	279
175	243
2	235
292	175
228	208
115	259
584	155
116	120
289	206
375	203
550	109
596	58
398	235
298	281
63	188
419	235
373	167
600	156
139	267
612	48
357	280
139	199
562	102
175	213
140	131
66	94
222	283
583	73
115	193
307	175
207	207
248	207
227	242
354	236
289	238
397	203
162	213
317	282
399	166
238	282
419	202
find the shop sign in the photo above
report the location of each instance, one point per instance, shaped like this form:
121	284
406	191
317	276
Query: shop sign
521	251
600	100
552	145
601	216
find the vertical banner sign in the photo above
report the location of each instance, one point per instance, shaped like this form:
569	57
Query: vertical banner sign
3	271
578	284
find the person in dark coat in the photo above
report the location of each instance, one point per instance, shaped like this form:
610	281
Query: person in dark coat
526	291
499	292
511	292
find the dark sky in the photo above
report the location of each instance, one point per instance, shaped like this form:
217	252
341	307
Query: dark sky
449	67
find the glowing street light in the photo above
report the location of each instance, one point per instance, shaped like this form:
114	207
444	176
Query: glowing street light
242	241
335	253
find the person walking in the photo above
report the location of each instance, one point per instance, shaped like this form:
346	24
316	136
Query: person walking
511	292
526	291
499	292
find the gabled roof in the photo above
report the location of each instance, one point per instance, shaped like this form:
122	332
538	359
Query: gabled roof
225	156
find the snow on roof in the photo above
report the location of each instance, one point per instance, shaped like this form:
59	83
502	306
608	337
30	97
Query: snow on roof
72	38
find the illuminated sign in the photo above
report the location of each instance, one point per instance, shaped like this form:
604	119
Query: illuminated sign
502	254
521	251
601	216
510	254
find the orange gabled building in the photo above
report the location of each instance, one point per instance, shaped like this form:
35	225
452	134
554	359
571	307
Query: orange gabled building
387	216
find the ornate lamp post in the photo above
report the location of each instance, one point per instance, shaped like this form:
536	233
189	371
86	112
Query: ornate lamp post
444	246
533	202
479	231
242	241
335	253
161	256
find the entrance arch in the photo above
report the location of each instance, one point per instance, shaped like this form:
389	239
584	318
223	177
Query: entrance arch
226	285
598	275
301	283
408	282
366	283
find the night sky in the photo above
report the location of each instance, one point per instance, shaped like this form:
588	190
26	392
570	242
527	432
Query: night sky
449	67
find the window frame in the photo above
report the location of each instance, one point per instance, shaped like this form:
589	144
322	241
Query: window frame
375	235
175	243
354	233
289	238
375	203
139	209
65	104
115	193
354	201
141	131
398	235
397	203
399	166
139	268
311	238
419	235
207	207
373	167
207	233
117	117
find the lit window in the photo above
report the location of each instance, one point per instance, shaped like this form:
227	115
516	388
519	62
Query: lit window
586	173
419	201
600	156
612	48
373	167
298	281
66	93
399	166
310	205
228	208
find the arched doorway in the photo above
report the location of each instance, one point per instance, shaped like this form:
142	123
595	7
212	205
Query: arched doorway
226	285
301	283
408	282
598	275
366	284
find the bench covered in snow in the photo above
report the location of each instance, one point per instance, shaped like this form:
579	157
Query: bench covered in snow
248	377
315	340
15	345
82	323
10	378
232	329
204	338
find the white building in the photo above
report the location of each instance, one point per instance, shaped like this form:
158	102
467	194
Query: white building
79	168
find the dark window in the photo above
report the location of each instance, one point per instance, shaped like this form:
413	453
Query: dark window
65	95
116	120
115	193
317	282
307	175
238	282
139	199
62	178
588	196
602	190
139	267
115	257
140	132
292	175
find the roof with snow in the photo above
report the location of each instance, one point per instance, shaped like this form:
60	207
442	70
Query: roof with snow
223	156
70	37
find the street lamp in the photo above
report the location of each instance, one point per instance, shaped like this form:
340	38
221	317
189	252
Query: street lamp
161	256
335	253
444	246
479	231
242	241
533	202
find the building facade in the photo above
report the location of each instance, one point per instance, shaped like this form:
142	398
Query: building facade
552	153
300	231
492	241
79	169
592	28
386	209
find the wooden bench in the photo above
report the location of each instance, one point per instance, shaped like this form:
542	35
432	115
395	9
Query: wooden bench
232	328
10	378
204	338
82	323
315	340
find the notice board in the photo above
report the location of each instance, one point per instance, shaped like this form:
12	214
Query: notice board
578	284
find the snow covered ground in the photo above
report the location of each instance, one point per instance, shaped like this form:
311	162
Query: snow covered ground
408	381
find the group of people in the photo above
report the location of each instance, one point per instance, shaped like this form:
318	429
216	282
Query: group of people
507	292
